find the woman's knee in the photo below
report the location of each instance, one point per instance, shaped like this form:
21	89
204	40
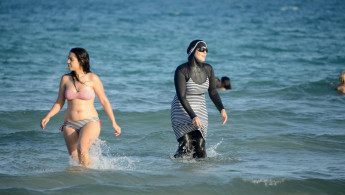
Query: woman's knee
199	146
83	148
185	146
87	135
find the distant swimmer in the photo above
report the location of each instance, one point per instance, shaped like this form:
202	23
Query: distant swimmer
225	83
189	115
82	125
340	87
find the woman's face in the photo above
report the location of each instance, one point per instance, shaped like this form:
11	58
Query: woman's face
200	56
73	63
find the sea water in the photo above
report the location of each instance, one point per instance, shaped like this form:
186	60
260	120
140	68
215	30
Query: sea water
285	133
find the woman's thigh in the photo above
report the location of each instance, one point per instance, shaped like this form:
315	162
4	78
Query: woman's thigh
71	137
89	133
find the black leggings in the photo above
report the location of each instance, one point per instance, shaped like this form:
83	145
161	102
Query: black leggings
189	141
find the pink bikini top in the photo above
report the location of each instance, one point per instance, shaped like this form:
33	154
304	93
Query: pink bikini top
83	95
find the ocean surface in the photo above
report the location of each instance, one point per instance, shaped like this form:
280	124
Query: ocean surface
286	127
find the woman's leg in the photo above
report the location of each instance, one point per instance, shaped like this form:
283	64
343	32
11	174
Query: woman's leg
87	135
199	145
184	146
71	139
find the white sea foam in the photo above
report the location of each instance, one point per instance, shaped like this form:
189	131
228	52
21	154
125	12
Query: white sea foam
286	8
267	181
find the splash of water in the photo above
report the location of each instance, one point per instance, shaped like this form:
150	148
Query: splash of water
101	158
211	151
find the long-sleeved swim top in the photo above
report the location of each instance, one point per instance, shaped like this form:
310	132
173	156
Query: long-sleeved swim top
198	72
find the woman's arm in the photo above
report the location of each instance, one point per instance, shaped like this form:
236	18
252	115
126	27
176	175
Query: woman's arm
213	93
99	90
58	104
180	86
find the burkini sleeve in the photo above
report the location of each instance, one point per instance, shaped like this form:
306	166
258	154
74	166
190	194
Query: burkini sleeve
180	86
212	91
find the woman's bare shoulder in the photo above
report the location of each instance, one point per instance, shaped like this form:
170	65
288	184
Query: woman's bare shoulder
93	76
65	77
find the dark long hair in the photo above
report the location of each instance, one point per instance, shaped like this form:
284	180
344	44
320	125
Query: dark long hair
83	59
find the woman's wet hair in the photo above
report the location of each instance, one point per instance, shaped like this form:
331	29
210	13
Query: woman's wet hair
83	59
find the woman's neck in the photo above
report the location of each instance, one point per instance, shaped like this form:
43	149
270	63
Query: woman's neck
79	74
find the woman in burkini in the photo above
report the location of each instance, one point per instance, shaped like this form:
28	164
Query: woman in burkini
189	115
82	125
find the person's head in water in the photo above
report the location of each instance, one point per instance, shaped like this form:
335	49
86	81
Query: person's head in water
197	50
225	83
342	78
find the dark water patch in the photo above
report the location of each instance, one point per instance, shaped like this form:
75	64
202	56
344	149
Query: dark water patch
23	121
328	143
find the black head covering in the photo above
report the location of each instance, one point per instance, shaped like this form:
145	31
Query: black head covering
191	50
194	45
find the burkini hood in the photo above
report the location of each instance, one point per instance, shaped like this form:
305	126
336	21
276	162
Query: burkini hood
196	44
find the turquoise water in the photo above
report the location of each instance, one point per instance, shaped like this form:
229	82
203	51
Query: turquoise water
285	133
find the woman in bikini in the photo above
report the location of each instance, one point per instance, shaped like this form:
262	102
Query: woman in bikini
82	125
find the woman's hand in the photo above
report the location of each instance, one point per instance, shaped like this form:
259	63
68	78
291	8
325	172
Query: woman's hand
196	122
117	129
44	122
224	116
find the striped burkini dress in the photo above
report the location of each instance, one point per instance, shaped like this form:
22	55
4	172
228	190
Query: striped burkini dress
181	121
